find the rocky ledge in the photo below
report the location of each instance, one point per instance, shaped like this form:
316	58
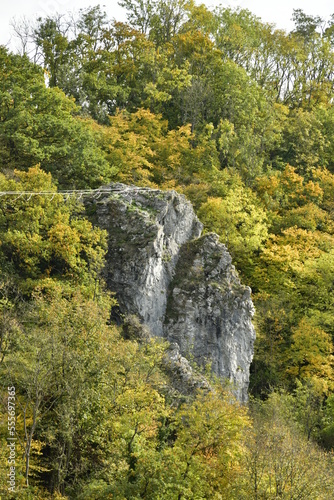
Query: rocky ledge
180	284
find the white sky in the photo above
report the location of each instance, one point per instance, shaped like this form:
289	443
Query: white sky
277	12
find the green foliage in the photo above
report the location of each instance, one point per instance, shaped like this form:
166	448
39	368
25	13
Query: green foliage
95	404
45	238
236	115
281	461
239	220
141	150
38	125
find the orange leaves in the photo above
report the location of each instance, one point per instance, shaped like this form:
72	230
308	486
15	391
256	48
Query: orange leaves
65	243
42	237
287	189
310	355
210	442
238	219
141	150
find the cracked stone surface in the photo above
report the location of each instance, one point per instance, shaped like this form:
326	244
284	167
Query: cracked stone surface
180	284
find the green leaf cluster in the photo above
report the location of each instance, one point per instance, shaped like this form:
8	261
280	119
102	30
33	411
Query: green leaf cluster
236	115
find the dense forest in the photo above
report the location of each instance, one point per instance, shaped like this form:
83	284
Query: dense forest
236	115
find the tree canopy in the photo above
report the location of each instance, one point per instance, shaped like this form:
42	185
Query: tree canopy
238	116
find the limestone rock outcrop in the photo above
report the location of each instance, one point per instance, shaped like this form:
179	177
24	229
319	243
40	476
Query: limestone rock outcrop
209	312
182	286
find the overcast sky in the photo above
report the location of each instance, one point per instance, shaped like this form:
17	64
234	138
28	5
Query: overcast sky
278	12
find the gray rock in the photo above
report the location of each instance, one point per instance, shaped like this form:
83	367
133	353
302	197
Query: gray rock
181	286
146	230
209	312
184	379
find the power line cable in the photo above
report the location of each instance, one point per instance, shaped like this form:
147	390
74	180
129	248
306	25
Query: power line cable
80	193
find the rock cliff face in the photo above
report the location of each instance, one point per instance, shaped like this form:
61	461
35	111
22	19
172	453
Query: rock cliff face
182	286
209	312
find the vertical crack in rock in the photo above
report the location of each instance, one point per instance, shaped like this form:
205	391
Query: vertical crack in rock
209	312
182	286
